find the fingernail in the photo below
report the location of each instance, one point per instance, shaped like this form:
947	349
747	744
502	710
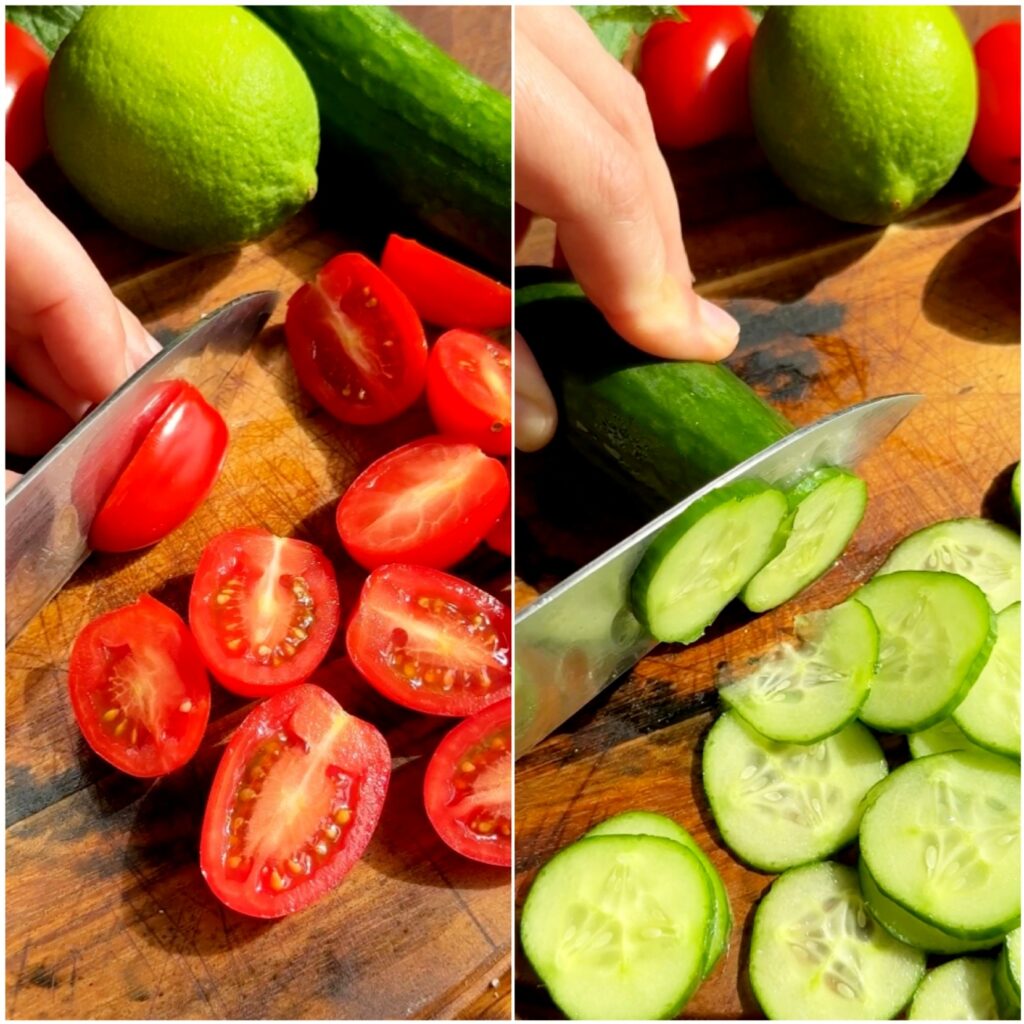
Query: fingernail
535	423
720	325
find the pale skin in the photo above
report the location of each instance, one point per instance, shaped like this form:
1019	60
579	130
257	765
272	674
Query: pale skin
70	342
587	158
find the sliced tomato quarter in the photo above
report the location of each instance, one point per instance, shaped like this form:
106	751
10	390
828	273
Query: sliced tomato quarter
500	537
469	389
139	688
429	502
430	641
296	798
467	790
445	292
356	341
263	609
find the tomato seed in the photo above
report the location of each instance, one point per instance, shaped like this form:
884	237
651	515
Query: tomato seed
342	815
321	849
467	767
234	862
110	714
234	643
277	882
185	707
246	795
296	867
485	828
135	736
120	727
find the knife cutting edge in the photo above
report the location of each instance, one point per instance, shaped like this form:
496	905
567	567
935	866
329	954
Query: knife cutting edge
50	510
581	635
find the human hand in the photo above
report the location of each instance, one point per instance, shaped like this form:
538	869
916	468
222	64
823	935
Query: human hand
70	342
586	157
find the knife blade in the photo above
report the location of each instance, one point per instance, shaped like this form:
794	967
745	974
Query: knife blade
581	635
50	510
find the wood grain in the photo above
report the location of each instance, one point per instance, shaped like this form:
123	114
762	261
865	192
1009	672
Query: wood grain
107	914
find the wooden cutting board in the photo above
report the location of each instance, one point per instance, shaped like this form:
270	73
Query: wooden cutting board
107	914
831	314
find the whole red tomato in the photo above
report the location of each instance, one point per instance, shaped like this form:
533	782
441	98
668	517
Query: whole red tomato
27	69
995	146
694	73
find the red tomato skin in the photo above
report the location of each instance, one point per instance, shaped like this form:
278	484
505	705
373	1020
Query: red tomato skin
994	151
462	404
376	307
134	623
479	502
374	760
442	290
27	68
369	643
243	678
437	789
167	478
694	74
500	537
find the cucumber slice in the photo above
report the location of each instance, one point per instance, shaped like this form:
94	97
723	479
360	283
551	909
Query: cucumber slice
827	506
936	631
701	560
938	739
958	990
1006	979
616	927
778	805
803	694
815	953
1015	488
941	837
644	823
985	552
990	713
908	928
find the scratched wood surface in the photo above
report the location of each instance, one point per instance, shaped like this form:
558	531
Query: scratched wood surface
107	914
831	314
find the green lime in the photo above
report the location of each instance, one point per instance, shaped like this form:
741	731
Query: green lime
188	127
864	112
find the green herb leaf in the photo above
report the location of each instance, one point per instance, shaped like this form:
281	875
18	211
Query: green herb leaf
615	25
47	25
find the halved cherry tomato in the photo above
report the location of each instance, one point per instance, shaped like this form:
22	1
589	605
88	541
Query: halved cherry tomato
995	145
444	291
430	641
167	478
296	798
694	73
469	389
263	609
500	537
139	688
429	502
468	786
27	67
356	342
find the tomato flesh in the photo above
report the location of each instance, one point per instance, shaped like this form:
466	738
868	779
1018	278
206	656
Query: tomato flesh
356	342
500	537
139	688
27	69
264	610
469	390
429	502
467	790
296	798
430	641
994	151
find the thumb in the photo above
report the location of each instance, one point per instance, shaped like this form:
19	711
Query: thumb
536	416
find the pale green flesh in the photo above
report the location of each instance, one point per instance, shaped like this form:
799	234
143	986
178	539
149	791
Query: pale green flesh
781	804
803	694
821	527
816	954
990	713
1006	979
935	630
958	990
616	927
941	837
939	739
982	551
1013	957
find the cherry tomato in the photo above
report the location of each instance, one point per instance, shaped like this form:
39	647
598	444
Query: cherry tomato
166	479
694	73
445	292
468	786
27	68
295	800
994	151
356	342
430	641
139	688
469	390
263	609
429	502
500	537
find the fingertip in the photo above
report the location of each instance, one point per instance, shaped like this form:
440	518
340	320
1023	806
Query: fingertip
535	423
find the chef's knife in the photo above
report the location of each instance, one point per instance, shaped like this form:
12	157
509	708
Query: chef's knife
50	510
580	636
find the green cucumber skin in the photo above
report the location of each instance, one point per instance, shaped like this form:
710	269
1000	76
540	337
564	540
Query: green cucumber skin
436	134
1007	995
